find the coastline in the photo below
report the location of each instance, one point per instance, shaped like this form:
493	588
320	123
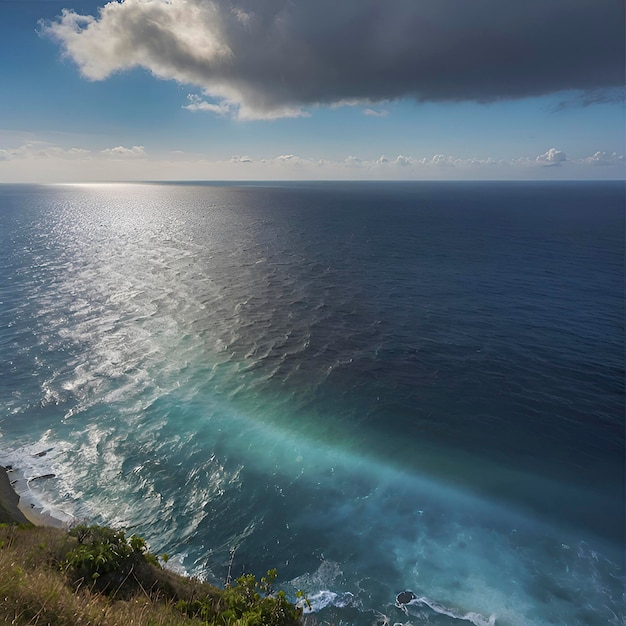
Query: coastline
9	501
23	510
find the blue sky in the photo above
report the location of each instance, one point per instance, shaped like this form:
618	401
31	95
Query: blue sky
194	89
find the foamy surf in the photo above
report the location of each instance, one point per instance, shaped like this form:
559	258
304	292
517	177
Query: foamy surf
470	616
326	599
26	468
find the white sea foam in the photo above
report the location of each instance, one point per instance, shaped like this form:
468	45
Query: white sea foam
470	616
325	598
28	467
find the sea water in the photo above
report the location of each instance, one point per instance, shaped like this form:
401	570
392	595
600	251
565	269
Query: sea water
372	387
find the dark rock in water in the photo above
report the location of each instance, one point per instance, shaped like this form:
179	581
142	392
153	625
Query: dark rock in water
43	452
42	477
405	597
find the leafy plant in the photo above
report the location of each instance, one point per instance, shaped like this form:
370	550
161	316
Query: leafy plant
112	581
247	603
101	551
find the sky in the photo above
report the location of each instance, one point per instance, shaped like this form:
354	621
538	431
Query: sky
311	89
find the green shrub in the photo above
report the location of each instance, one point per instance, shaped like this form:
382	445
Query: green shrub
105	557
247	603
114	580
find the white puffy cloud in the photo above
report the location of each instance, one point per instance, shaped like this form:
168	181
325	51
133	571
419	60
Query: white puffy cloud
124	153
43	162
291	159
271	58
604	158
354	161
196	103
404	161
441	160
437	165
240	159
41	150
229	108
552	157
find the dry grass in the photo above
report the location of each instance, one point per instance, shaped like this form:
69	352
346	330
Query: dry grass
35	591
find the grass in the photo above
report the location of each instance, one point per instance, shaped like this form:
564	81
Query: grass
96	576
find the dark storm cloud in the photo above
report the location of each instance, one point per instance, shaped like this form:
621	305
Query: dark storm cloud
270	58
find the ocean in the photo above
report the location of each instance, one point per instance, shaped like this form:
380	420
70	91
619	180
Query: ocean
372	387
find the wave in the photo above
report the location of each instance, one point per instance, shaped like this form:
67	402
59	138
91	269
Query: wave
471	616
325	598
25	466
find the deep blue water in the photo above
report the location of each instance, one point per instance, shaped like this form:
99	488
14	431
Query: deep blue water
372	387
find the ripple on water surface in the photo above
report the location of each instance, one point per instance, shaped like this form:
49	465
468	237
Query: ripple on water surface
374	389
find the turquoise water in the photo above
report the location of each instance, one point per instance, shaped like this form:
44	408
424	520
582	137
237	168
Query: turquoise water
371	387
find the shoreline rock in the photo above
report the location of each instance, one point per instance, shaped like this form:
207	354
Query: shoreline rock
10	502
19	505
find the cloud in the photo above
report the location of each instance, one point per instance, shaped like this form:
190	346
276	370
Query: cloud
42	150
441	160
38	161
196	103
292	159
271	58
383	166
122	152
604	158
591	97
353	161
403	161
551	158
376	112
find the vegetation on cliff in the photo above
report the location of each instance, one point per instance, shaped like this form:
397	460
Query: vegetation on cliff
94	575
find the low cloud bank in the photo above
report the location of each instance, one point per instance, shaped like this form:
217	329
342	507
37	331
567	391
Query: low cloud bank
41	162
